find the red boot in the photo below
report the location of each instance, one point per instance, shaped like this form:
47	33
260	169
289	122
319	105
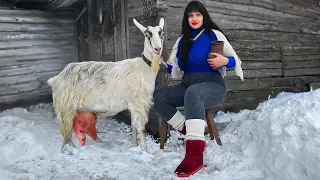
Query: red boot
193	160
84	122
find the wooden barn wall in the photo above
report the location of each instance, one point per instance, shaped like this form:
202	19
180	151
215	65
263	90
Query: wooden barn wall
277	41
34	46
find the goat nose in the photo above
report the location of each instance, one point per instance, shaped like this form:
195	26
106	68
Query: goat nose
157	49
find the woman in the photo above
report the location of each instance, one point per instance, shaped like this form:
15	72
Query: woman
202	84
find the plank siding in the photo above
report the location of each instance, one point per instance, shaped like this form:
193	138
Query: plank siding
277	41
34	46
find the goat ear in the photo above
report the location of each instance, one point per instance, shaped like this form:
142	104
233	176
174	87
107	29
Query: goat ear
161	23
142	28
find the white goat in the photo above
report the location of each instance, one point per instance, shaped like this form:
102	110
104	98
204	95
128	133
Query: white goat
107	88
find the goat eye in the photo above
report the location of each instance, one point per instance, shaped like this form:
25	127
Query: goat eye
149	34
161	33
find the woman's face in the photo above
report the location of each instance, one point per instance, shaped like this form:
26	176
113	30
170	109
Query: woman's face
195	20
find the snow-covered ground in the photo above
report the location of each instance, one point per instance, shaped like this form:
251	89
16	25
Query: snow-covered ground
278	140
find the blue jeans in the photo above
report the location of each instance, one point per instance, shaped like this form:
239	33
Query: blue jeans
196	92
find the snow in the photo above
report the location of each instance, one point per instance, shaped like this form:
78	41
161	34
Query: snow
280	139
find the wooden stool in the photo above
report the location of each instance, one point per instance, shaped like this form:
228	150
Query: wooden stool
211	125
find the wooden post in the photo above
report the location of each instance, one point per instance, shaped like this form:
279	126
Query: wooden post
120	38
164	132
124	26
212	127
162	13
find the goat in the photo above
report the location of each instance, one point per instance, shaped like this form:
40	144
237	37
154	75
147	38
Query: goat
107	88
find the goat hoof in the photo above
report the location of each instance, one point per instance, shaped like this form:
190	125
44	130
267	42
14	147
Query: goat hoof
98	140
72	144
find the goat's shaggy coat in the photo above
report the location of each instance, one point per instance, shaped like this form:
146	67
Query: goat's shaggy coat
107	88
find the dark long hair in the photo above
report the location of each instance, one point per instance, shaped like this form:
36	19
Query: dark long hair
193	6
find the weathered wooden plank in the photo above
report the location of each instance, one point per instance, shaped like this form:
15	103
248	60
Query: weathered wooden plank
120	31
36	57
136	12
263	83
248	74
81	13
256	73
61	4
62	60
301	64
265	4
10	36
237	85
280	7
36	27
299	81
301	57
304	3
36	50
8	80
24	69
310	11
285	27
272	36
237	106
255	45
299	72
29	43
261	65
17	88
25	16
259	55
22	12
12	71
303	50
254	95
27	95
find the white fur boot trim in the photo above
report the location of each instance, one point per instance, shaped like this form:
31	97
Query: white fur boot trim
195	129
177	121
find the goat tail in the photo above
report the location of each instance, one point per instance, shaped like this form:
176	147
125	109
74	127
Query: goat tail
51	81
66	111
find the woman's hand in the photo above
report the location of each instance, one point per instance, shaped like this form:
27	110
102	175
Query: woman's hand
164	63
218	61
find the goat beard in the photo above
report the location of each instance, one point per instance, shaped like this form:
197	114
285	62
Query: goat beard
155	64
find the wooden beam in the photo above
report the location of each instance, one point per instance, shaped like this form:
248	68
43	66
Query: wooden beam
81	13
56	4
67	3
301	72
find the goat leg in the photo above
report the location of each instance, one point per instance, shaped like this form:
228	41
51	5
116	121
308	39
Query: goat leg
134	136
142	133
65	142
